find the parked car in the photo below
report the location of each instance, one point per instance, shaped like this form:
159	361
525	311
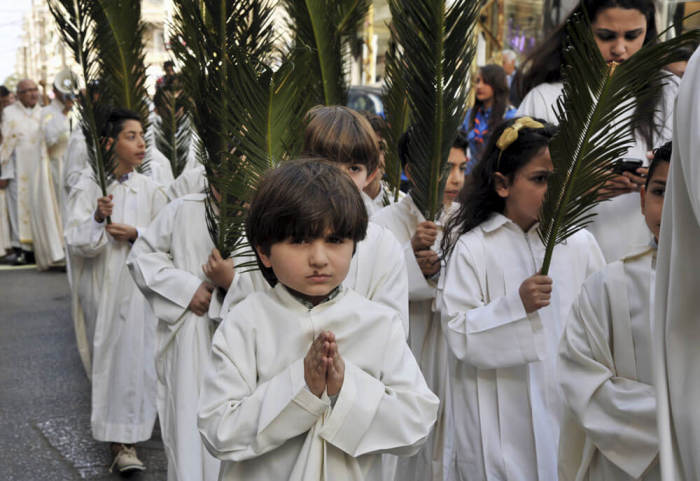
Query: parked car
363	97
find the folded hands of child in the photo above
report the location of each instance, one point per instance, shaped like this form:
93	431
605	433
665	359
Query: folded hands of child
324	368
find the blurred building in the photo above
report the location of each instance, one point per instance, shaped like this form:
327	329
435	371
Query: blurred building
42	54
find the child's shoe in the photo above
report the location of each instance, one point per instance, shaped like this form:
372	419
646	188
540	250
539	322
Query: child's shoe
125	460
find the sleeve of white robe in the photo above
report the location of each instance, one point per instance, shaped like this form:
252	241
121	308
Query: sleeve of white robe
419	288
75	161
616	413
389	282
168	289
240	419
393	414
487	335
84	236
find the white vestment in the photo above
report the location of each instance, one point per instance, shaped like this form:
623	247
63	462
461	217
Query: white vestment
20	156
190	181
119	324
605	370
676	326
425	335
257	415
46	192
75	160
377	271
619	224
166	263
505	400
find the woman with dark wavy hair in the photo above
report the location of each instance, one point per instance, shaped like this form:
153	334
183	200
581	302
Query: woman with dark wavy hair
491	107
620	29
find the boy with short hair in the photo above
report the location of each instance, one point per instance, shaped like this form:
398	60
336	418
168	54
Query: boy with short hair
420	239
609	431
310	380
119	325
377	271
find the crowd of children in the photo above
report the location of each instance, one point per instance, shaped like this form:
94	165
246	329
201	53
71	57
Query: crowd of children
370	343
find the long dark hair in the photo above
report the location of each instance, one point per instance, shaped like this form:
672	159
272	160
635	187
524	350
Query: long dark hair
544	64
495	77
478	199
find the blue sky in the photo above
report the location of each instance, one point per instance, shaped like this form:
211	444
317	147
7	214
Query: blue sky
11	13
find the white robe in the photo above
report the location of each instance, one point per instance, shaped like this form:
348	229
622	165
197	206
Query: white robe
605	370
119	324
46	191
619	224
425	334
377	271
20	156
166	264
677	307
75	160
190	181
257	415
505	400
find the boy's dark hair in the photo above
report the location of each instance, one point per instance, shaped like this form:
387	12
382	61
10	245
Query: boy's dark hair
340	134
168	63
461	142
115	122
302	200
478	199
378	123
4	92
661	154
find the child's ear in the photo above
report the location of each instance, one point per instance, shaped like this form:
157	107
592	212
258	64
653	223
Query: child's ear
108	143
407	172
264	258
501	185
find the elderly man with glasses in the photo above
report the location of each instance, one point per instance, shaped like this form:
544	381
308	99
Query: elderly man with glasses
20	155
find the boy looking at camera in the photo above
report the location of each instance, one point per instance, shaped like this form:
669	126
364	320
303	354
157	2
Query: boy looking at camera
310	380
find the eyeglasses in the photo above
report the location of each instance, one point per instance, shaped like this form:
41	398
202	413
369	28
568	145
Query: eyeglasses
35	89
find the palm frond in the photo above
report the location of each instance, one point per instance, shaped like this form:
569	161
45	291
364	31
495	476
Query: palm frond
173	130
322	30
75	26
398	117
434	37
595	118
210	38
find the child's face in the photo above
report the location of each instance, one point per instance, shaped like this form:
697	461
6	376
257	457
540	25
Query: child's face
525	194
312	268
653	198
457	163
358	173
130	148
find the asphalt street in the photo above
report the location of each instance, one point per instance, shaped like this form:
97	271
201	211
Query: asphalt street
44	392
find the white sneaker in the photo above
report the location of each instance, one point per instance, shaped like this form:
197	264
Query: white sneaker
126	460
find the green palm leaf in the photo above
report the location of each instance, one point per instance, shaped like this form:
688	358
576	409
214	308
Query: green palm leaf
75	24
398	117
209	38
173	129
436	55
594	115
322	30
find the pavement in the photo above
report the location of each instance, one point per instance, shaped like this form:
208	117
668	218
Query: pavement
44	392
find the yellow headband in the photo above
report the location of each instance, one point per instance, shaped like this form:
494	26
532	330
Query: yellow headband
510	134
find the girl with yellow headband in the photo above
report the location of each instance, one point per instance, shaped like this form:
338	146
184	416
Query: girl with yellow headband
502	320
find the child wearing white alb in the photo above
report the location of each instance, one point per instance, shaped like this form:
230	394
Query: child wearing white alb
310	380
605	361
119	327
502	320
